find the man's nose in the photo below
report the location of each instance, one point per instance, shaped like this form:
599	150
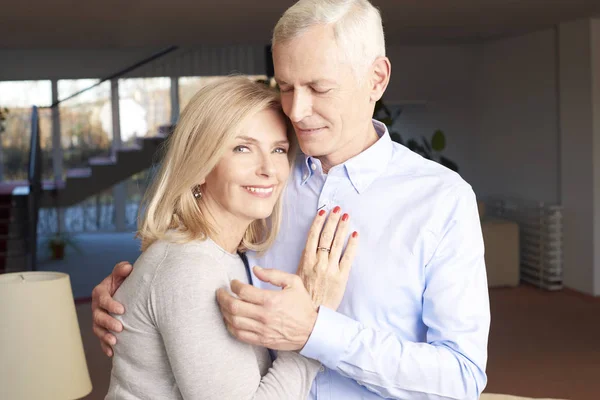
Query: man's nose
301	106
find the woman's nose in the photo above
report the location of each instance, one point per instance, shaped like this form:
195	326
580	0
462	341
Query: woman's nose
267	166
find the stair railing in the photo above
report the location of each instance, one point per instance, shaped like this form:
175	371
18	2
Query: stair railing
34	175
35	156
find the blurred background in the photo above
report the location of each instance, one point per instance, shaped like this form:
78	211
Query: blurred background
505	92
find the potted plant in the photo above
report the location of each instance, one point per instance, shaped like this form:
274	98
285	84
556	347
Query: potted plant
3	118
57	244
430	149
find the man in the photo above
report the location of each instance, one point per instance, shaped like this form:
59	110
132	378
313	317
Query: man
414	320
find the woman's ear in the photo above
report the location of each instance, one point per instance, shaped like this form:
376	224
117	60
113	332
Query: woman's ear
197	191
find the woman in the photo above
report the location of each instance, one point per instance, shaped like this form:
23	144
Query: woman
217	194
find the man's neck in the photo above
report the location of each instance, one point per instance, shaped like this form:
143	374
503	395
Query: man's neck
351	149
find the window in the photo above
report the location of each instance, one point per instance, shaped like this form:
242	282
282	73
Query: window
145	105
19	97
85	122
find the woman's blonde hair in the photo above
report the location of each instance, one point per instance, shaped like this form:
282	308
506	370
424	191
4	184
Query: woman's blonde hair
357	27
213	118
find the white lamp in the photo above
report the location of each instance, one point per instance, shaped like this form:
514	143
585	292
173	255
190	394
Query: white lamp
41	352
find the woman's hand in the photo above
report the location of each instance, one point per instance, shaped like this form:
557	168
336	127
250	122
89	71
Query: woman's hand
324	267
284	319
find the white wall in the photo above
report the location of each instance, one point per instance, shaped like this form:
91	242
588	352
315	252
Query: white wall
516	138
576	125
66	64
521	120
595	67
497	104
99	63
442	77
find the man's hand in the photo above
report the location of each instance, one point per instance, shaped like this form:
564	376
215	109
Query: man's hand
103	303
279	320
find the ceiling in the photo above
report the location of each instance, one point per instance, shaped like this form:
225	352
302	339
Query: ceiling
142	23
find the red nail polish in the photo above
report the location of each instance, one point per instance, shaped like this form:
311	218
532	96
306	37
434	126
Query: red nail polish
336	209
322	212
354	234
345	217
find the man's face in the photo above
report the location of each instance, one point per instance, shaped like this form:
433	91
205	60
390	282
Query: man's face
330	110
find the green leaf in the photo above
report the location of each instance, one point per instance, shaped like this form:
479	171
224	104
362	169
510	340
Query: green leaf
438	141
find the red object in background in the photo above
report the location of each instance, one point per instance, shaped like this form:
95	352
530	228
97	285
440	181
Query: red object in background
5	205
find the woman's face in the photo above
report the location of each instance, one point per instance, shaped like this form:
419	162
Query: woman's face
248	180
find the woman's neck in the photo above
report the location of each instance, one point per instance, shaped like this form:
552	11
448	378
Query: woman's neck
228	230
227	239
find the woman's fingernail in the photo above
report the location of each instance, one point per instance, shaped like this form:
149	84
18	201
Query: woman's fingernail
345	217
336	209
321	213
354	234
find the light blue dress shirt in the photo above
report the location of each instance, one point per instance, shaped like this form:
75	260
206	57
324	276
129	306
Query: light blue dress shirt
414	320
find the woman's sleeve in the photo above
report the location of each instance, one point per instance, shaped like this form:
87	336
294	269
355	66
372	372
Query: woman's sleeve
207	362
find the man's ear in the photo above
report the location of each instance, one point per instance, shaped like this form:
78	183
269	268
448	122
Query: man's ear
380	77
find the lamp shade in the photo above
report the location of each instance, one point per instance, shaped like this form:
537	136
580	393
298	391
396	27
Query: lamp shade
41	352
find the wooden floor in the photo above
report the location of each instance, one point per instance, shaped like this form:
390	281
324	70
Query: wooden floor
542	344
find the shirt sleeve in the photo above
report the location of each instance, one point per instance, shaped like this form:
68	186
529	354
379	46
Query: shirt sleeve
451	364
207	362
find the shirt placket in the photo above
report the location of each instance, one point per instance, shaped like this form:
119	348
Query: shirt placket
321	389
327	200
328	197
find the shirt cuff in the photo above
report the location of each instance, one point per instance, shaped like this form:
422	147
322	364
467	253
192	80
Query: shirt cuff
331	336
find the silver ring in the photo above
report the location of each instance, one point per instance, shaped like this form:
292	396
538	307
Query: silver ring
324	249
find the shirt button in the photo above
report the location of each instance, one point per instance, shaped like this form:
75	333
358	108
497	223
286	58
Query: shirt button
304	176
313	166
322	369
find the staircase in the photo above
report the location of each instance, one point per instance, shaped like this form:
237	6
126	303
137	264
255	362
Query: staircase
20	201
81	183
102	173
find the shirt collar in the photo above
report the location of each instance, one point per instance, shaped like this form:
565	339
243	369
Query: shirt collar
363	168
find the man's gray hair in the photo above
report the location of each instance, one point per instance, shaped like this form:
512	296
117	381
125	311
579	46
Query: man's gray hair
356	25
